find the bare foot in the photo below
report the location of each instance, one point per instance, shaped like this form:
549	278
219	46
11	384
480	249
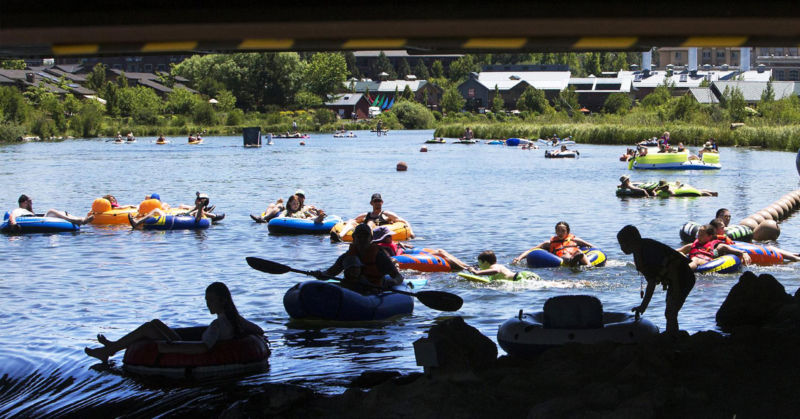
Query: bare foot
103	340
99	353
88	219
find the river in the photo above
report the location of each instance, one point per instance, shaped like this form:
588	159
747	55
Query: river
60	290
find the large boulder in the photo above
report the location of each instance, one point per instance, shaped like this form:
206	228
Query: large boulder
454	349
753	301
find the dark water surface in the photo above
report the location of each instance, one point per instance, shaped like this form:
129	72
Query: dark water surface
60	290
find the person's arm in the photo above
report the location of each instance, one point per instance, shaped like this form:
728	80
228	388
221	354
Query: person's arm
490	271
725	249
543	245
386	266
582	242
394	218
334	270
648	294
684	249
250	328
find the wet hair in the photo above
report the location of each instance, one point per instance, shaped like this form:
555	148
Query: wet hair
565	225
628	233
720	212
231	313
22	198
488	257
717	223
110	198
708	229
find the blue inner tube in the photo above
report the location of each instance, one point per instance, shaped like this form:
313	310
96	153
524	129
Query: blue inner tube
38	224
541	258
175	222
724	264
320	300
289	225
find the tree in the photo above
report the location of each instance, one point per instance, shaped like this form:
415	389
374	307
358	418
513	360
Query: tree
735	103
420	70
96	80
497	101
683	108
181	102
462	67
141	103
533	100
768	95
437	69
407	93
452	100
567	100
618	103
13	64
659	96
403	69
620	62
413	115
306	100
226	101
13	106
88	120
326	73
111	95
352	68
591	64
383	65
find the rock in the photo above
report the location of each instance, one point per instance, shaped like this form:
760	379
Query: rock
454	349
768	230
402	166
754	300
369	379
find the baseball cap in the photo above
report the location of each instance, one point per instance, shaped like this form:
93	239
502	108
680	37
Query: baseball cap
202	195
155	196
623	178
376	197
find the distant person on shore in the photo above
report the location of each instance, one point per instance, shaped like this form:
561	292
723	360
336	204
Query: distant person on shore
660	264
25	209
374	218
228	325
294	126
564	244
488	266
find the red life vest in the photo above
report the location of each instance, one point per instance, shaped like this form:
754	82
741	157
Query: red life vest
368	257
703	251
724	239
560	246
393	248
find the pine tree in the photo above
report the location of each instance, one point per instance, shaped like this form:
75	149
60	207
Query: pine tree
437	69
403	69
421	71
383	65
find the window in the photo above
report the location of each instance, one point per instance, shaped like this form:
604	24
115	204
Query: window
720	55
764	52
678	55
471	92
793	75
131	68
148	68
117	66
779	75
734	55
778	51
793	52
161	67
707	55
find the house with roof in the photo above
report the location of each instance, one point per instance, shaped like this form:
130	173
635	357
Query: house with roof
479	89
752	90
594	91
22	79
347	104
150	80
383	91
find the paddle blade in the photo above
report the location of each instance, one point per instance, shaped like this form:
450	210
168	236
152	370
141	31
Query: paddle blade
267	266
440	300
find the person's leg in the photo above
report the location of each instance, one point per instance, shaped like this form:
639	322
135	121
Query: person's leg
155	330
787	255
452	260
675	300
71	218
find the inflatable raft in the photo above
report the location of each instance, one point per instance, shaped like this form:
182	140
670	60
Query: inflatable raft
436	141
513	142
248	355
320	300
289	225
570	319
541	258
743	233
484	279
724	264
399	231
37	224
175	222
644	185
554	154
421	260
654	160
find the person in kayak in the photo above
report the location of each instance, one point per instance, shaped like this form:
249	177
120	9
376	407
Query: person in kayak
382	236
564	245
378	269
374	218
229	324
487	264
706	248
25	209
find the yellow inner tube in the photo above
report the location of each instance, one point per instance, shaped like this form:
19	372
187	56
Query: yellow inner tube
399	231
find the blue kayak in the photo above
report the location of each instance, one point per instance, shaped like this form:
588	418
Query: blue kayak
289	225
321	300
175	222
38	224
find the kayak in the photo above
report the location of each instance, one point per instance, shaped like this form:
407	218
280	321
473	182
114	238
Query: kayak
38	224
289	225
540	258
246	355
399	231
570	319
196	142
321	300
175	222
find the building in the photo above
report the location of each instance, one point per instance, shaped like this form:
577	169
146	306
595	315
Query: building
752	90
40	76
593	91
424	92
784	62
150	80
680	56
131	64
479	89
345	105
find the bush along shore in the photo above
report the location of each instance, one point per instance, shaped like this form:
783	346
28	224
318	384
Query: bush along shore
785	138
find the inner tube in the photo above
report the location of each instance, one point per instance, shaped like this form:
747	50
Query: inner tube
421	260
320	300
627	192
683	190
760	255
569	154
399	231
175	222
541	258
741	233
289	225
37	224
724	264
246	355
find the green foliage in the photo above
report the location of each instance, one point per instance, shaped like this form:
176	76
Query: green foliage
618	103
13	64
10	131
323	116
71	105
659	96
733	101
383	65
682	108
768	95
497	101
181	101
96	80
352	69
43	126
403	69
226	100
140	103
413	115
437	69
325	73
407	93
705	83
784	111
88	120
204	114
306	100
460	68
452	100
567	101
13	106
591	64
420	70
235	117
533	100
111	95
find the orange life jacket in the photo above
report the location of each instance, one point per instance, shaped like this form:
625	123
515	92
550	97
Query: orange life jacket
703	251
368	258
560	246
724	239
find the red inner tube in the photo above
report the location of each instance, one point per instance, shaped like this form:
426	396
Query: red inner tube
236	351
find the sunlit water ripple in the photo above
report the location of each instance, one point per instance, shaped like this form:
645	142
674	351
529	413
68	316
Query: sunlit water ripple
61	290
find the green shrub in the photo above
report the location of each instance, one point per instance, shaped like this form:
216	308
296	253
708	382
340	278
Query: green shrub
10	131
413	115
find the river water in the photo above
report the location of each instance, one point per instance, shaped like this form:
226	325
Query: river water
60	290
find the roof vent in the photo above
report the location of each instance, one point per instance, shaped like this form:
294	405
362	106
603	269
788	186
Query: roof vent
707	67
724	67
411	77
761	68
514	77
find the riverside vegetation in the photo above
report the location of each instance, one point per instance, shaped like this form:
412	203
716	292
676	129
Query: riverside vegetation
273	90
